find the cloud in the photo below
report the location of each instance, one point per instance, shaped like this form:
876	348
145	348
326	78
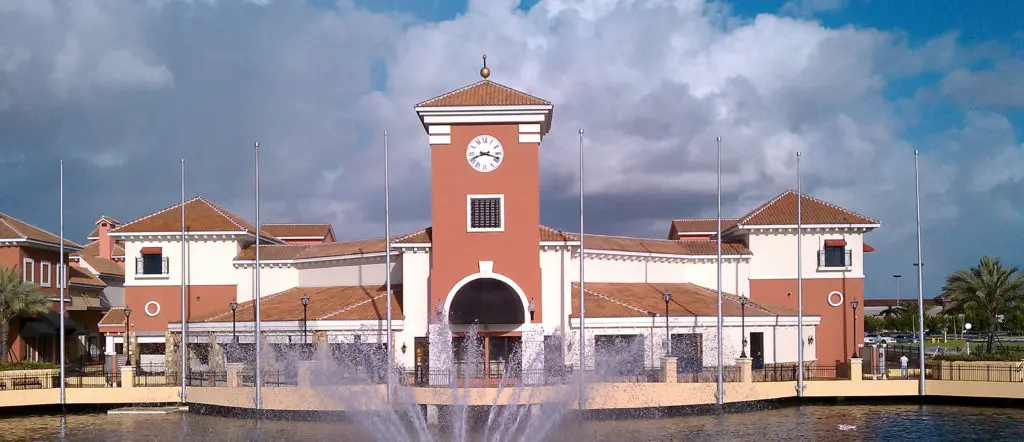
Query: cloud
811	7
1000	86
125	89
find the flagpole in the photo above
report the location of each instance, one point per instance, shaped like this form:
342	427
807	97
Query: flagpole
583	310
920	275
184	316
61	283
799	280
387	261
720	394
256	286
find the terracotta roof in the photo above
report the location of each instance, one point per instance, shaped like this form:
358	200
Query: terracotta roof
617	243
484	93
309	251
201	216
781	211
93	249
286	230
80	276
96	231
114	318
701	225
365	303
103	265
636	300
14	229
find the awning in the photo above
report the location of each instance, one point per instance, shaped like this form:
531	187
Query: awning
52	318
868	249
86	301
835	243
36	329
151	250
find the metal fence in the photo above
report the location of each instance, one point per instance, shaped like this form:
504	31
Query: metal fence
776	373
730	373
207	379
22	381
271	378
448	378
975	373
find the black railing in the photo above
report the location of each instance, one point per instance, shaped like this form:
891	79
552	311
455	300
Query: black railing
22	381
776	373
92	380
730	373
146	378
448	378
825	263
271	378
207	378
975	373
822	373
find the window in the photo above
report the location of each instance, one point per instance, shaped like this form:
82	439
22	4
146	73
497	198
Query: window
152	262
834	254
28	270
485	213
44	273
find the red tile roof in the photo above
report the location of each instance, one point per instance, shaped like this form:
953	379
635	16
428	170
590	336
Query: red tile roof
201	216
103	265
636	300
93	249
702	226
364	303
484	93
80	276
781	211
298	230
113	319
14	229
273	252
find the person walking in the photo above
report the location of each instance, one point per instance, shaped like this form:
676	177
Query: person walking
903	365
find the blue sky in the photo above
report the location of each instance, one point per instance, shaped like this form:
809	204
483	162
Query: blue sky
123	90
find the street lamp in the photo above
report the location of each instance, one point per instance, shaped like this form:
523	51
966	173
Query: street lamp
305	304
127	330
897	278
668	338
743	326
234	336
853	305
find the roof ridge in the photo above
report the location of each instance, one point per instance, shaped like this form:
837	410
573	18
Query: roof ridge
296	224
484	81
837	207
410	235
225	214
37	228
613	300
352	306
4	217
450	93
703	219
134	221
762	207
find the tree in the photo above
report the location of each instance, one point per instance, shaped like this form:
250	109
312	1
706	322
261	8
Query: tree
988	290
17	298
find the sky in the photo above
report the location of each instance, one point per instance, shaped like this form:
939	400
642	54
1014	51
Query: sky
122	90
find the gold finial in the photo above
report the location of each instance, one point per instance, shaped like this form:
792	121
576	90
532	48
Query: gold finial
485	71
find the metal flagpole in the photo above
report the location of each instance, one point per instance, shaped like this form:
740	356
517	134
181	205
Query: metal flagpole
387	260
256	286
799	281
184	316
920	276
583	310
62	281
720	394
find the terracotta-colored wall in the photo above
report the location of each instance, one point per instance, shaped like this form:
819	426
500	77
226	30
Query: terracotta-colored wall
10	257
17	346
516	251
833	339
39	256
200	300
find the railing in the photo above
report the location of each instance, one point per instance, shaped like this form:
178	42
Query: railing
776	373
824	264
92	380
207	379
822	373
730	373
271	378
140	267
975	373
29	381
448	378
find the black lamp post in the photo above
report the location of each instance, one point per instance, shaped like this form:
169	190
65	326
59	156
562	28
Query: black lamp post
853	305
743	326
127	337
668	337
305	303
532	307
234	336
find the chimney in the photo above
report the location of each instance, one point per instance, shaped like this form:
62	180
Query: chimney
103	226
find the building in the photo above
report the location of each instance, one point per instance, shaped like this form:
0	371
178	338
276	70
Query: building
103	259
488	264
36	254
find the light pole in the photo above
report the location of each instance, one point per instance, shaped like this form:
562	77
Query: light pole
743	326
897	278
234	337
305	304
853	305
668	337
127	337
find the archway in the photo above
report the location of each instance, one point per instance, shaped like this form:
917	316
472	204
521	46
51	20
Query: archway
486	300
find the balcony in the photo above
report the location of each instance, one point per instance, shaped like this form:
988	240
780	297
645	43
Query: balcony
841	260
150	268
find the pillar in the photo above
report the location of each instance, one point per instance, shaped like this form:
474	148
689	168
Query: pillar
533	354
127	377
440	352
433	414
172	352
108	345
217	359
856	369
235	370
746	369
669	370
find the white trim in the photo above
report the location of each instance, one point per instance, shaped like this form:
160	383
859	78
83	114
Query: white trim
311	326
150	339
285	238
48	280
469	212
529	138
477	117
152	276
439	129
808	226
146	309
491	275
529	128
440	139
482	109
315	260
40	244
28	270
835	304
698	321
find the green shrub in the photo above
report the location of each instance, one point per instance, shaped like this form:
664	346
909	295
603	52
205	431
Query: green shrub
28	365
973	357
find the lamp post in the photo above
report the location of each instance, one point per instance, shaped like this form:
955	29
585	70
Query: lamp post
668	337
743	326
127	337
234	337
305	304
853	305
897	277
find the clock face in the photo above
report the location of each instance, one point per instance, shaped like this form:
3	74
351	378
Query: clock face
484	153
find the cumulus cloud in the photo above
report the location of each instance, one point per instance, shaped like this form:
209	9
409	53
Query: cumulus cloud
1000	86
125	89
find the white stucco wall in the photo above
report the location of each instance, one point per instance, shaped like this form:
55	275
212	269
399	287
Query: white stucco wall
273	279
775	255
209	262
415	268
349	272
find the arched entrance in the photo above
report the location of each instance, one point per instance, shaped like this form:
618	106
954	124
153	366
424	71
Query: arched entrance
486	301
483	301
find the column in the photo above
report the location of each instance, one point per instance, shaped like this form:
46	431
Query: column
856	369
217	358
669	368
235	370
109	346
305	373
440	361
746	369
533	354
127	377
172	353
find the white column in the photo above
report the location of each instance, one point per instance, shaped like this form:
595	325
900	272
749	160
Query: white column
533	353
108	347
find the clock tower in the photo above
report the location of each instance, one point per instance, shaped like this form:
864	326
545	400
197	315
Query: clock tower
485	202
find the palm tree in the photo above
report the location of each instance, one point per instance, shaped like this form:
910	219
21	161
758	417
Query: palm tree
17	298
988	289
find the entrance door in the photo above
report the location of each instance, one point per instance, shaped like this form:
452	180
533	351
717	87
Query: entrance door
421	360
689	352
757	349
504	357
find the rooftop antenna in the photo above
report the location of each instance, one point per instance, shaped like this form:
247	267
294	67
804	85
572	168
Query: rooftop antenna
485	71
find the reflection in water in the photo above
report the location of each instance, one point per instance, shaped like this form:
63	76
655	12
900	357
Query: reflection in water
931	422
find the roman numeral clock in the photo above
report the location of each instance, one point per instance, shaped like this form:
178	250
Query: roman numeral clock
484	153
